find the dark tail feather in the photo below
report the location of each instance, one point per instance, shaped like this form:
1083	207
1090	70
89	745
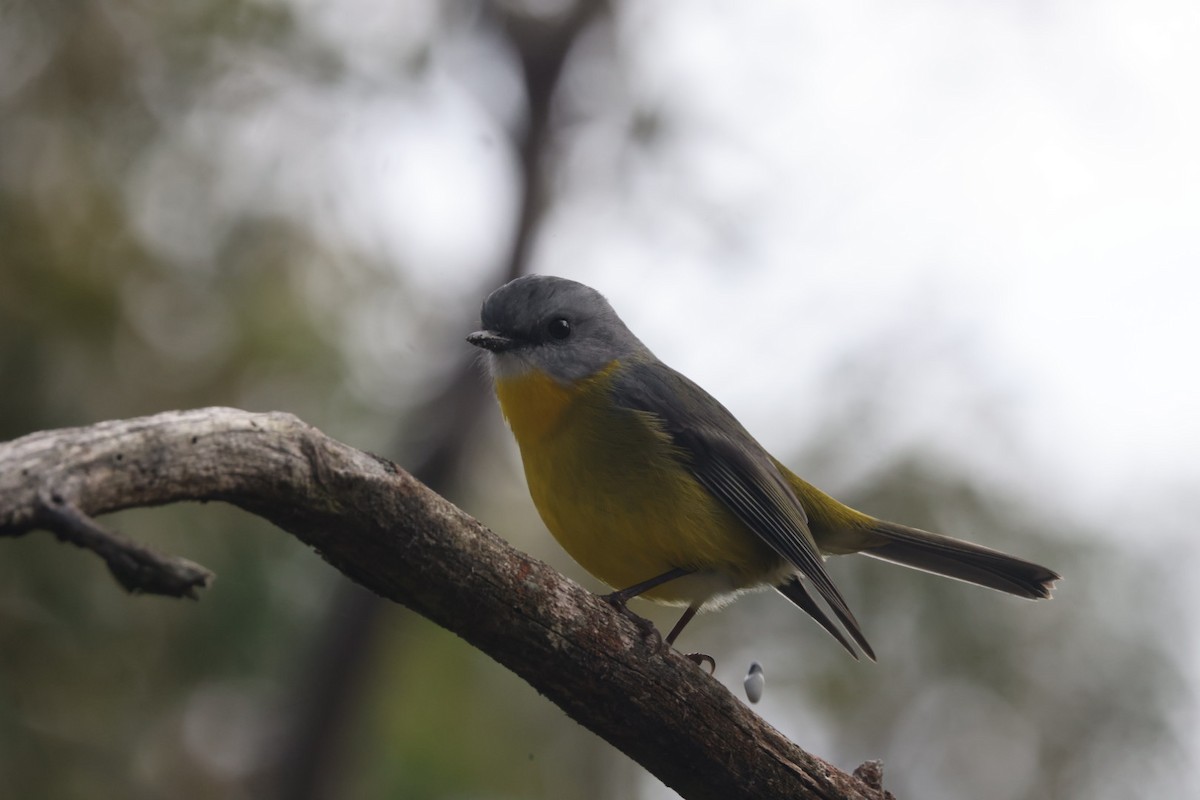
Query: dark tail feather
962	560
795	591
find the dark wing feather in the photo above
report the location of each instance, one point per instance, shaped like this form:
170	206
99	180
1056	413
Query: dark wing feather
793	589
730	464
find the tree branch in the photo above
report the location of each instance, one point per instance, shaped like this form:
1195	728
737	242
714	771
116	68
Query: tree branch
137	568
383	529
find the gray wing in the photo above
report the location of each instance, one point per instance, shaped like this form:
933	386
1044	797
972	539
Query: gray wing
730	464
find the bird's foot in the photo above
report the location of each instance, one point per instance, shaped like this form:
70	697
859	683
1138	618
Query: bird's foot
700	659
618	601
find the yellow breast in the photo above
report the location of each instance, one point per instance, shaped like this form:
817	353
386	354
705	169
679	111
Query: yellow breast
609	485
534	403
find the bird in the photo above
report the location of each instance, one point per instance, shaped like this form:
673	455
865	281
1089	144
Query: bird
657	490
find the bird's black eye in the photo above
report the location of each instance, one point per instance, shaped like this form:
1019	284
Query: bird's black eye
558	328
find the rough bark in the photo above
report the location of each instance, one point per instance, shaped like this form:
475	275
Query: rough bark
385	530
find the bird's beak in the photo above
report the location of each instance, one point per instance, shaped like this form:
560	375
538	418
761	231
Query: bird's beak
493	342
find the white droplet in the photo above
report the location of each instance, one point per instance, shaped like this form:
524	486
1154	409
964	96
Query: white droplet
754	682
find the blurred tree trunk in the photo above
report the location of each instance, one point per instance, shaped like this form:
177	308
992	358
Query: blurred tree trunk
310	763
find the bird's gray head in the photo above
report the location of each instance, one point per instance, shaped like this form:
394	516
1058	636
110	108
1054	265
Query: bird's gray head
553	325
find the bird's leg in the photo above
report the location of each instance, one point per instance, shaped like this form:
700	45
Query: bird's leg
700	658
619	600
684	620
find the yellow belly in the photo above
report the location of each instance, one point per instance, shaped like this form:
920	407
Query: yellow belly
611	491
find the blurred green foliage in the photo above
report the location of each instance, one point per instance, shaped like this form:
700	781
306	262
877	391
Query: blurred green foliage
106	695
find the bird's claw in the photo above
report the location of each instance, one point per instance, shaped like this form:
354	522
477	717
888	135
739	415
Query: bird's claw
619	602
644	625
700	659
